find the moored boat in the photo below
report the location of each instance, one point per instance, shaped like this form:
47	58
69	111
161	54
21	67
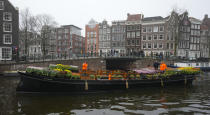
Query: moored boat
34	83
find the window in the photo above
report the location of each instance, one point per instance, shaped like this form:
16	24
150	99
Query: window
167	45
6	53
7	16
7	39
144	37
155	45
161	37
155	37
144	30
144	46
133	42
133	34
138	27
149	29
155	29
161	28
128	35
137	34
137	42
1	5
149	37
172	46
160	45
149	46
7	27
129	42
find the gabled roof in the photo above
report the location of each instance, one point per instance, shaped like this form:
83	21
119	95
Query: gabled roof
206	21
134	17
155	18
204	27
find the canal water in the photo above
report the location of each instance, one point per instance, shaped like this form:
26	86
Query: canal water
179	100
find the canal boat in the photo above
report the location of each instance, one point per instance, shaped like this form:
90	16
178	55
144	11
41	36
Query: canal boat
38	83
204	66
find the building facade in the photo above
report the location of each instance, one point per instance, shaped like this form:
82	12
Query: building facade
204	42
69	42
153	36
206	22
133	33
183	47
92	38
195	38
9	31
104	39
118	35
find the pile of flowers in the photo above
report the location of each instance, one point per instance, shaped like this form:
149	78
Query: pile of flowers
58	70
175	72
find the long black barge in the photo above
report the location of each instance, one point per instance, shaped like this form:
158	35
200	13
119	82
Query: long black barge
33	83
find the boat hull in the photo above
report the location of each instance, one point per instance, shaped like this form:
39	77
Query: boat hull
30	83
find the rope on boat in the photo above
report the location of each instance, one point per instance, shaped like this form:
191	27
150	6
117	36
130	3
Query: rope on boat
86	85
126	84
185	80
162	83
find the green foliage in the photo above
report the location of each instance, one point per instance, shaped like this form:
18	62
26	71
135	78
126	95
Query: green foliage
92	76
75	76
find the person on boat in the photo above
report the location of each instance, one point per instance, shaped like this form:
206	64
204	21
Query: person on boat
155	65
84	66
163	66
110	77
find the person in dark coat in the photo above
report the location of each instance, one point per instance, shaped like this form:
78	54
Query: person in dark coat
156	64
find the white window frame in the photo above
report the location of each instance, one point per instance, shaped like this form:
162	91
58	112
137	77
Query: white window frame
143	37
156	37
144	28
4	26
154	45
144	44
150	45
4	40
9	14
1	5
150	37
159	45
10	53
160	27
162	37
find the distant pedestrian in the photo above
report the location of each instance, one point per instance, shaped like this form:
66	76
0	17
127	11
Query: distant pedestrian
155	65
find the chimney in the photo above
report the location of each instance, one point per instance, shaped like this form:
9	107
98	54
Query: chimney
128	14
206	16
142	16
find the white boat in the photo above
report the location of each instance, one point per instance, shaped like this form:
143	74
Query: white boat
204	66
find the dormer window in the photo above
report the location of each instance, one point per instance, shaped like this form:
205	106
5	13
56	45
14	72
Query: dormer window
1	5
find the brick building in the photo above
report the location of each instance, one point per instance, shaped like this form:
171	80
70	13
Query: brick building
69	41
92	38
133	33
9	31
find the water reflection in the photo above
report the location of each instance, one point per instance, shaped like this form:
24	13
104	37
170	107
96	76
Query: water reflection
171	100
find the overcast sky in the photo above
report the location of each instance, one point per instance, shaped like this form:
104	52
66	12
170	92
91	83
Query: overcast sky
79	12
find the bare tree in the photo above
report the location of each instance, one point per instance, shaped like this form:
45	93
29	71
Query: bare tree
26	26
44	25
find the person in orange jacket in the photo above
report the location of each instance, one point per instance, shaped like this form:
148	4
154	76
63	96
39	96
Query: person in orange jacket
163	66
84	66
